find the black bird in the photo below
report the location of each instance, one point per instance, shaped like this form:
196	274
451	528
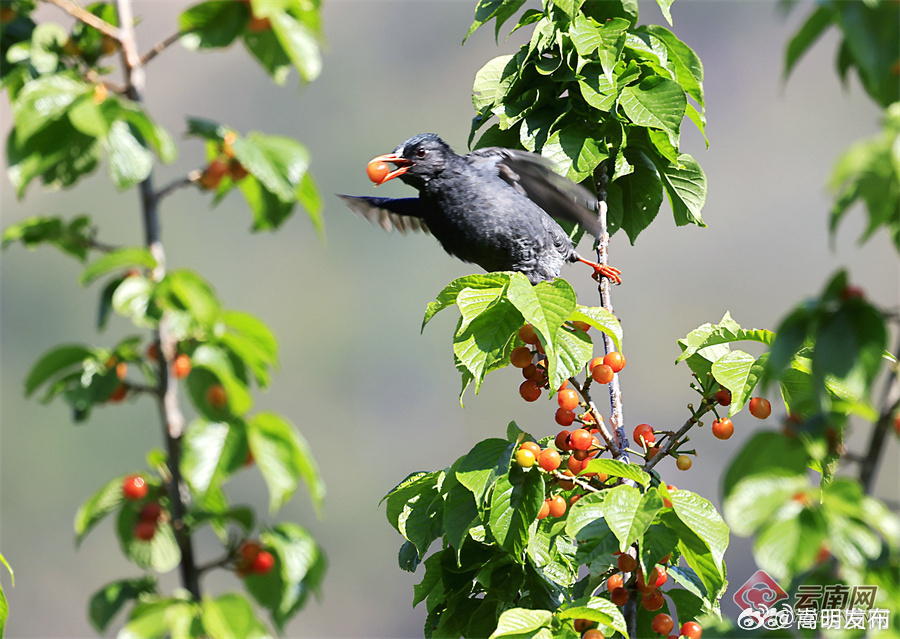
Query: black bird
494	206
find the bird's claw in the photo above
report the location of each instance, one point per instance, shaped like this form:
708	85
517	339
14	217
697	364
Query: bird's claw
603	270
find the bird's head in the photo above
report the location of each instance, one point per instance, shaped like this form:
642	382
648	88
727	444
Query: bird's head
419	159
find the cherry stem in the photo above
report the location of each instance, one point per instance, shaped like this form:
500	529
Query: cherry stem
890	405
88	18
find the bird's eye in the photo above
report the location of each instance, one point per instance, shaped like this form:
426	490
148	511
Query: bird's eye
421	153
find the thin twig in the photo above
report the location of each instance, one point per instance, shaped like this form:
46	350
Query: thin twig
672	441
160	47
178	183
585	393
88	18
890	403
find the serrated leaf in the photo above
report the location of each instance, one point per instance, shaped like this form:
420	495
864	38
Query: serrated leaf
521	622
602	320
299	43
160	554
516	501
685	185
739	372
119	259
596	609
585	511
279	163
619	508
701	516
111	598
98	506
44	100
283	457
447	297
483	344
618	469
481	466
129	161
656	102
55	362
230	616
815	25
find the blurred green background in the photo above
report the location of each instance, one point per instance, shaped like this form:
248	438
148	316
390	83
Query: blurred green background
376	399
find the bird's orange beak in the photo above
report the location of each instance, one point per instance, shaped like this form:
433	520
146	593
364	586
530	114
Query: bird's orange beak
401	162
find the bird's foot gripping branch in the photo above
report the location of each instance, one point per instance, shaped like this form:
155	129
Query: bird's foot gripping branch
552	536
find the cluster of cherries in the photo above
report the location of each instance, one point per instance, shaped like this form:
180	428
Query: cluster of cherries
224	164
253	559
652	598
216	396
135	488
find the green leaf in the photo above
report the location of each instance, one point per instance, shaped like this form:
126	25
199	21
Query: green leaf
55	362
160	554
521	622
44	100
117	260
230	616
299	43
211	453
616	468
492	82
299	568
111	598
698	556
142	126
158	618
479	469
185	290
72	238
585	511
487	10
268	51
98	506
657	103
211	364
447	297
701	516
482	346
814	26
129	161
739	372
278	162
516	501
727	330
620	510
686	187
789	544
688	67
283	457
635	198
601	319
596	609
664	6
211	25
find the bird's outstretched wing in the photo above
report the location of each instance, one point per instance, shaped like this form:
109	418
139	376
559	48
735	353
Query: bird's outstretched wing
403	214
533	176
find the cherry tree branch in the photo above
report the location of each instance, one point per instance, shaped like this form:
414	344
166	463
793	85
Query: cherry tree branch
159	47
170	411
88	18
617	409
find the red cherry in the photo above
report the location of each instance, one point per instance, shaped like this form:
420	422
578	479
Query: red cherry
377	170
520	357
722	428
850	292
723	397
626	563
592	633
760	408
558	506
549	460
118	394
619	596
213	174
545	509
181	367
615	360
145	530
616	581
564	417
562	440
527	334
534	447
216	396
567	399
262	563
602	374
582	625
654	601
580	439
134	488
691	630
581	326
151	511
529	390
643	433
662	624
594	363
